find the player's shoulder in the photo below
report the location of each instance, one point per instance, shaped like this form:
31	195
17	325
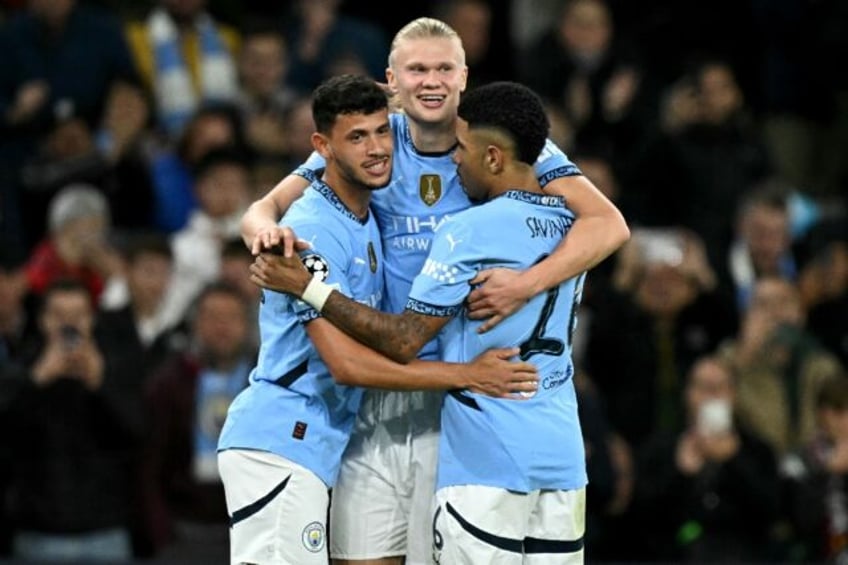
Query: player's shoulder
397	119
467	222
312	211
319	203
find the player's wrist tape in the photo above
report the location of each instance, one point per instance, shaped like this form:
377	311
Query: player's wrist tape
316	294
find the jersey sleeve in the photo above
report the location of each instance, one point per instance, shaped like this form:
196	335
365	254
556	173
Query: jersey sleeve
311	168
442	285
328	259
553	163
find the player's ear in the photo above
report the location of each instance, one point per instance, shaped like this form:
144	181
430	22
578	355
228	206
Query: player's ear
391	80
494	159
321	144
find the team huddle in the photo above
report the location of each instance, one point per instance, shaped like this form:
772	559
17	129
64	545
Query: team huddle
413	399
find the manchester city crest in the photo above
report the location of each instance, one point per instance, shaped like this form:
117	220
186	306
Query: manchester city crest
313	537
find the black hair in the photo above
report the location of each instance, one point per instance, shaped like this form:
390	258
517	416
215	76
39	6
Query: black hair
258	25
512	108
220	156
345	94
211	289
153	242
63	285
228	111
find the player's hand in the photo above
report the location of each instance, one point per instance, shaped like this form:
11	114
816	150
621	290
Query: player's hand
494	374
277	238
499	293
280	273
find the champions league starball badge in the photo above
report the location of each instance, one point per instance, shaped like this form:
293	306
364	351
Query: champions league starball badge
317	266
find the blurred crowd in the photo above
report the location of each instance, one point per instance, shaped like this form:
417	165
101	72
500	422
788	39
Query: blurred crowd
711	349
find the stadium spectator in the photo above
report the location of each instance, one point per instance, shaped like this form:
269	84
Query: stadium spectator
187	60
72	423
779	366
171	165
78	244
321	38
716	482
710	151
664	312
762	242
581	65
816	473
264	97
222	187
61	58
185	514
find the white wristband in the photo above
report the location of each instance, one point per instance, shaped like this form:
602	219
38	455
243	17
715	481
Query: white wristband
316	293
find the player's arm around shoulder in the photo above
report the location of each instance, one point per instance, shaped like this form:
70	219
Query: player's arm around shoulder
259	224
599	229
496	372
599	225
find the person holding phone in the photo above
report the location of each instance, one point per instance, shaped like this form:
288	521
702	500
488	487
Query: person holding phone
716	483
71	420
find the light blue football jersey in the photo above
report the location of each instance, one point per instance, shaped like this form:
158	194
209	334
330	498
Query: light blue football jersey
424	192
292	406
518	445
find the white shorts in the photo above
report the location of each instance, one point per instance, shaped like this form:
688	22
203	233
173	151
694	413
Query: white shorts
478	524
383	500
278	509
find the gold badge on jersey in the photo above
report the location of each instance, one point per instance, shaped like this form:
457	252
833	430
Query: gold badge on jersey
372	257
430	188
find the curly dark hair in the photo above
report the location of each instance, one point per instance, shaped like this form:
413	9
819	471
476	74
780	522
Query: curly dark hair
345	94
512	108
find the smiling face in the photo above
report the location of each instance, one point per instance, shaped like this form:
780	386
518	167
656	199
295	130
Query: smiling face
428	74
359	146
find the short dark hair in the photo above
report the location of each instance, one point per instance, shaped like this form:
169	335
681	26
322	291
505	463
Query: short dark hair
512	108
65	285
345	94
211	289
144	242
220	156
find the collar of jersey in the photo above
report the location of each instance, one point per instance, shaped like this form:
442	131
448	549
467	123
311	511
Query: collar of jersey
406	138
553	201
328	193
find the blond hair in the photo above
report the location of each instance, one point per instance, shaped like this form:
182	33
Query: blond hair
424	28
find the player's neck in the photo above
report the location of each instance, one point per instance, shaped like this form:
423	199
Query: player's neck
431	137
524	180
355	196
